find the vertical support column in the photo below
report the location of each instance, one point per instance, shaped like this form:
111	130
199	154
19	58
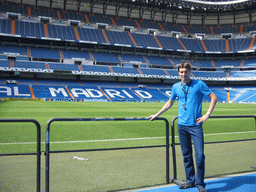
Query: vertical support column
13	27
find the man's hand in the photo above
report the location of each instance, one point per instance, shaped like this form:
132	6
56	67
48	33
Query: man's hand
152	117
202	119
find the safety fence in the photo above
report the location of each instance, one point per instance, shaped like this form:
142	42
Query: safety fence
167	145
37	153
173	143
47	153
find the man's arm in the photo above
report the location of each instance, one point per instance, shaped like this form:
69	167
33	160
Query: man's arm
214	99
168	104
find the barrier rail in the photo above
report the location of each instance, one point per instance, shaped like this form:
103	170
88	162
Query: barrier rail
174	178
38	153
47	153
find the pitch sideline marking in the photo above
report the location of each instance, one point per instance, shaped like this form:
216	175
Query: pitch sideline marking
109	140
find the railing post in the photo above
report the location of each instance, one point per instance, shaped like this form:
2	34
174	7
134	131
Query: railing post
167	152
173	149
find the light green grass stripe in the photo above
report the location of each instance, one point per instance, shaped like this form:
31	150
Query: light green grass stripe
128	139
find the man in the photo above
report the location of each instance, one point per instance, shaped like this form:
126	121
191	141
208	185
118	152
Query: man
189	94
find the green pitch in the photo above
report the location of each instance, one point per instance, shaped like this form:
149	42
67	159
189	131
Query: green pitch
81	135
119	169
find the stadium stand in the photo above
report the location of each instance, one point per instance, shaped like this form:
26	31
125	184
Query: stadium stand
125	70
209	74
105	57
32	65
130	57
98	29
109	91
13	49
61	31
5	63
249	63
30	29
95	68
243	95
192	44
93	35
69	54
37	52
119	38
242	74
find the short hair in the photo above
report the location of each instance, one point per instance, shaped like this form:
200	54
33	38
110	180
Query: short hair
184	65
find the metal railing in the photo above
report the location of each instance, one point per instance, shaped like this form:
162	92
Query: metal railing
47	153
167	145
173	144
38	152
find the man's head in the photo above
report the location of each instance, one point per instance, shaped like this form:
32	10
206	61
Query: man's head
184	65
184	70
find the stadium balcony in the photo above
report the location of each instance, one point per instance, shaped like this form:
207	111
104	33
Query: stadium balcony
56	13
92	69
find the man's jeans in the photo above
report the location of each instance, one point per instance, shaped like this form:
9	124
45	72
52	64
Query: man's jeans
195	133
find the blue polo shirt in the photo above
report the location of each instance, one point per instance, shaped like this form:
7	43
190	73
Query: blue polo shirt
190	97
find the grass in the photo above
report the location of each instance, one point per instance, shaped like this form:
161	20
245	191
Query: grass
113	170
214	129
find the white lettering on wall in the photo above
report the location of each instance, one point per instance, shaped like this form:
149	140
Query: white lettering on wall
143	94
53	91
16	92
6	90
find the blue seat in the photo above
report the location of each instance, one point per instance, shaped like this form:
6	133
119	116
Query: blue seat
210	74
235	63
145	40
120	94
192	44
242	74
150	94
45	53
239	44
5	26
62	32
99	18
94	35
95	68
66	67
249	62
125	70
123	21
29	29
31	65
13	49
244	95
131	57
215	45
153	71
15	91
153	60
169	42
68	54
50	92
5	63
115	37
105	57
147	24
